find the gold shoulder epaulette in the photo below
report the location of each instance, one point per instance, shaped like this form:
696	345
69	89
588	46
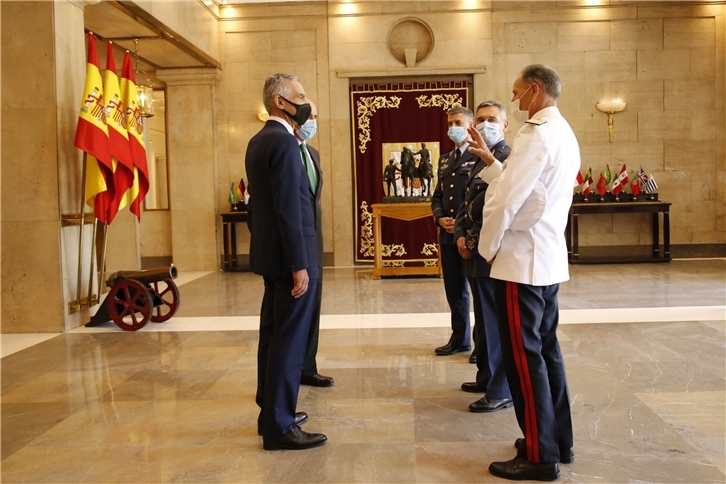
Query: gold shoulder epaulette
537	122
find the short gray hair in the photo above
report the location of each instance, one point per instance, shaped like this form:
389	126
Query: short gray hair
544	75
461	110
277	85
497	105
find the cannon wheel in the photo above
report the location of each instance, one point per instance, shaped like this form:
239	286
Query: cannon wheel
168	303
129	305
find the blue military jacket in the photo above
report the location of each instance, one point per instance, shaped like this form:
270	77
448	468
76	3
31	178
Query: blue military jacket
469	216
450	188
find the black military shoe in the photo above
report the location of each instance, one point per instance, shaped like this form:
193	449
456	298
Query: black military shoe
294	439
519	469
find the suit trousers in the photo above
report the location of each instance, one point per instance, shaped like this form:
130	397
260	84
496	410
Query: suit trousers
457	294
311	367
284	329
528	317
489	360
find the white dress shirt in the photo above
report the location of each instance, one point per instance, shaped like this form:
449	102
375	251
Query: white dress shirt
528	201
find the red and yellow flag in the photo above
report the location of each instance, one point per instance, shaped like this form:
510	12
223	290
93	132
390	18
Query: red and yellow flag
135	126
92	137
123	167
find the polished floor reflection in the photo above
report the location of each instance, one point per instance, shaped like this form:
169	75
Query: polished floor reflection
648	398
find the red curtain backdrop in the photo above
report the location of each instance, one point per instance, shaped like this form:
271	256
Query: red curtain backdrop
394	114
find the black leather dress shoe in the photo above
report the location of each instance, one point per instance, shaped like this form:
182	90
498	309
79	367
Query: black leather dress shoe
519	469
486	404
300	418
472	358
317	380
449	349
295	439
567	456
473	387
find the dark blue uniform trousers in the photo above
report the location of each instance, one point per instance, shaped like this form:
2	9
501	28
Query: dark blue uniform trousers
457	294
284	327
528	317
489	361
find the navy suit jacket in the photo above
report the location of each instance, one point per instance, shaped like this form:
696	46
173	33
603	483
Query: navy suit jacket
281	213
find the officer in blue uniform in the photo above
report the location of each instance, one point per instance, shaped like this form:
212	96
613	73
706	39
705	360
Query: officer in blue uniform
491	378
455	167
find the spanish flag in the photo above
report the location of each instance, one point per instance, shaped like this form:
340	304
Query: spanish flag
92	137
123	168
135	127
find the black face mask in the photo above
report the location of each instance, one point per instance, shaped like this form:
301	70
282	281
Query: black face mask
302	112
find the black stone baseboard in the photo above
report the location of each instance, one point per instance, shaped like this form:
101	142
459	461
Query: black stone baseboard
678	251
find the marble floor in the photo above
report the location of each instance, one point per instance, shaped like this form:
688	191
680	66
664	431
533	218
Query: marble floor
644	345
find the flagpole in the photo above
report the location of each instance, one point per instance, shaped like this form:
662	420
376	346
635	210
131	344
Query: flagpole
80	237
90	270
102	268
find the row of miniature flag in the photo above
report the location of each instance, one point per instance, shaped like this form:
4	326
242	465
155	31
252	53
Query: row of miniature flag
110	132
641	182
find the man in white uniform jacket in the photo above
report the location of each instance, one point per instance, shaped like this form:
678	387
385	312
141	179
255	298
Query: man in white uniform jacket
522	236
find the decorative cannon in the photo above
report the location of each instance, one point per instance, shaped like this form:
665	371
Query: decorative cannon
137	297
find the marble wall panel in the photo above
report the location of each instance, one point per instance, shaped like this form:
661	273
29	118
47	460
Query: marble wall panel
192	252
636	34
631	223
524	37
663	64
717	237
448	53
614	66
237	79
673	186
596	155
248	46
30	169
123	252
639	95
662	126
680	33
649	155
703	63
569	65
298	45
703	185
155	243
583	36
596	224
703	124
32	300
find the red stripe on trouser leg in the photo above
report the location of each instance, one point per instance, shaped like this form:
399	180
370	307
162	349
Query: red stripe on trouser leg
520	358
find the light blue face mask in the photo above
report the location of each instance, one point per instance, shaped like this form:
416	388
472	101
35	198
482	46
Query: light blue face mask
308	129
457	134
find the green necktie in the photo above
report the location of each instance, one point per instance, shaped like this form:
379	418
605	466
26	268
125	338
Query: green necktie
309	168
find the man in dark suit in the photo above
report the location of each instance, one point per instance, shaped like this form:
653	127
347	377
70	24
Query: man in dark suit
454	169
283	252
310	375
491	378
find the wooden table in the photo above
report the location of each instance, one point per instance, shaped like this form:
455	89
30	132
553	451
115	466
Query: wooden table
586	208
229	231
406	212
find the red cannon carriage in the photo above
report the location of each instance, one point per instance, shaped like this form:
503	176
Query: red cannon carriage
137	297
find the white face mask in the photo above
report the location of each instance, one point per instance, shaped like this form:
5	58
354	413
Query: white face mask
491	132
520	116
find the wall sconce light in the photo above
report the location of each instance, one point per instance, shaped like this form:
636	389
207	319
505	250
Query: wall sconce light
263	116
610	107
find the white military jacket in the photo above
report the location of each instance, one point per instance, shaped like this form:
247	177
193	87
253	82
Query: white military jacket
528	201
